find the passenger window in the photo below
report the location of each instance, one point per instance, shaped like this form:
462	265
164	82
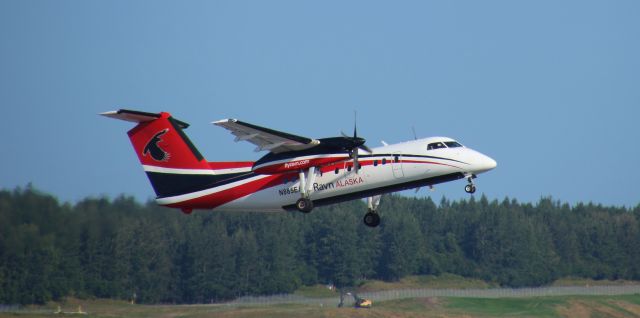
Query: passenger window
375	163
384	161
348	168
337	170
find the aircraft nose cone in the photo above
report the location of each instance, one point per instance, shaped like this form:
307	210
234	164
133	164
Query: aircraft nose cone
485	163
491	164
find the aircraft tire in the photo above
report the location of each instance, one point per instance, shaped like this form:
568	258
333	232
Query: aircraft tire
470	188
371	219
304	205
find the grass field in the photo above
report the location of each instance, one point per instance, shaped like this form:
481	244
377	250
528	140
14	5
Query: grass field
563	306
555	306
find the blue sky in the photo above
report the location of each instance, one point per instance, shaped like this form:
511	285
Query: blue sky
550	89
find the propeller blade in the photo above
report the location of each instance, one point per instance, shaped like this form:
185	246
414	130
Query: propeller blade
355	124
349	143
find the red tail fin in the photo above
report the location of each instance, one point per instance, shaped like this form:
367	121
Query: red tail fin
162	143
173	165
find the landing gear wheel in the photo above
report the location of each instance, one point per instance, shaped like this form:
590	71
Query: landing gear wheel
470	188
371	219
304	205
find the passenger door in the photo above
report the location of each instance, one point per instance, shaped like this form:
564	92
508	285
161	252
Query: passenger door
396	165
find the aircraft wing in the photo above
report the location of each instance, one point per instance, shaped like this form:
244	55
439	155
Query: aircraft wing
265	138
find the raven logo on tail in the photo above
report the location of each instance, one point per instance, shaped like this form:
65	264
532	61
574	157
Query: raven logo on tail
157	153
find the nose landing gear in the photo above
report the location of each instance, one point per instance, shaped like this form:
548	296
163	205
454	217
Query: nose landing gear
470	188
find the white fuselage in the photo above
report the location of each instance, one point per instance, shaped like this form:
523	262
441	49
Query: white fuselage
388	168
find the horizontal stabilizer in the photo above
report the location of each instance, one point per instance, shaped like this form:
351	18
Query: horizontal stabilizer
139	117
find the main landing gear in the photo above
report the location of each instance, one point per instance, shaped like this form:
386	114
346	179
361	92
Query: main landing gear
372	218
470	188
304	204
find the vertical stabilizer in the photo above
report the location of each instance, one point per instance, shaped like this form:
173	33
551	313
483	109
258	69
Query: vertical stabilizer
172	163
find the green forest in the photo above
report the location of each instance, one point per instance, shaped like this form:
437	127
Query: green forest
113	248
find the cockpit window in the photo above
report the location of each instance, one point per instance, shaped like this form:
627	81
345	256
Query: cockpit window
435	145
452	144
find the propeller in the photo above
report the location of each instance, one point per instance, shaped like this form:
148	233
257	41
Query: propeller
356	142
348	143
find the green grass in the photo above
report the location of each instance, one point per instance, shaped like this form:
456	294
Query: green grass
411	304
608	306
513	307
557	306
596	306
564	306
633	299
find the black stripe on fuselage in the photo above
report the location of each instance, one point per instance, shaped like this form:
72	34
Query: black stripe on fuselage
410	156
324	151
172	184
318	150
382	190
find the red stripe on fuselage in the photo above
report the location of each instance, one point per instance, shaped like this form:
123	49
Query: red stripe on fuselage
230	164
429	162
217	199
214	200
296	165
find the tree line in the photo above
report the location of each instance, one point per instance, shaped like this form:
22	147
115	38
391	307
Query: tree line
118	248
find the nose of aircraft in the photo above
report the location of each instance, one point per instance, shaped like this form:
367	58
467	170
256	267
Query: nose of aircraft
484	163
490	163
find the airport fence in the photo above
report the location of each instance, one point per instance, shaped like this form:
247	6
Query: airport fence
9	308
425	293
23	310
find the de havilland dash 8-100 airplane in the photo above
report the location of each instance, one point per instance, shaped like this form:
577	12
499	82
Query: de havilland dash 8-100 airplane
297	173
